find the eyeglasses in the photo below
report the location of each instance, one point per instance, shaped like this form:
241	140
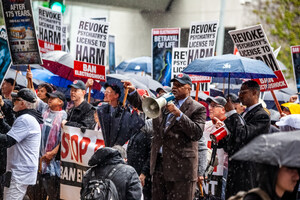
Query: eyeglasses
243	91
215	106
16	99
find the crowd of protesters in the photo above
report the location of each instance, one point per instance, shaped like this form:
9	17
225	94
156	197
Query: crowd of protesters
167	157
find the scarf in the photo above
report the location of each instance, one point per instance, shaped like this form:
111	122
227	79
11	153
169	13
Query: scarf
34	113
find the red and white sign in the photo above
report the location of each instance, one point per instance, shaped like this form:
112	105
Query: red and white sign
88	70
76	150
252	43
50	30
90	48
48	46
165	31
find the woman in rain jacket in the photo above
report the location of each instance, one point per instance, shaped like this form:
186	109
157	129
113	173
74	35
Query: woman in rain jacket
278	183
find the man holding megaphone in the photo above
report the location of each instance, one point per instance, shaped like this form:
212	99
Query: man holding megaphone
174	148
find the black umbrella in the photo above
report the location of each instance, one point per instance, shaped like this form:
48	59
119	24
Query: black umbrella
278	149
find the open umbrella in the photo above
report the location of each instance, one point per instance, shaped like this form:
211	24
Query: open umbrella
25	67
201	95
135	65
117	78
148	81
279	149
48	77
62	64
21	80
230	66
281	96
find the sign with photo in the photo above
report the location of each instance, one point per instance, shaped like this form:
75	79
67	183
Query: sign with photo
21	33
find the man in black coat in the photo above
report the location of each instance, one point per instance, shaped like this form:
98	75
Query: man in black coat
138	156
117	123
242	129
82	114
125	178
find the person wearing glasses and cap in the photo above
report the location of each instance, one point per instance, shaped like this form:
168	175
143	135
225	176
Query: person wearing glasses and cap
217	116
174	147
23	143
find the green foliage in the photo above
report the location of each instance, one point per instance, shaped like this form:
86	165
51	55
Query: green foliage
281	21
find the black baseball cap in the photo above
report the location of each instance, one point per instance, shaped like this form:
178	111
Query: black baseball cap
57	94
218	100
78	84
26	94
234	98
113	87
183	79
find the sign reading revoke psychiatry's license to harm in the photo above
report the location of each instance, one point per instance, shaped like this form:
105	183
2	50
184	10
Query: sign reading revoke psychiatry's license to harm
91	42
202	40
50	30
252	43
21	33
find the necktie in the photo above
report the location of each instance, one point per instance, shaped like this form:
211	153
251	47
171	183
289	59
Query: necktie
245	112
168	121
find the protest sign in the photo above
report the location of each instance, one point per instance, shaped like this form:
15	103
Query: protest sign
179	60
202	40
90	47
296	64
50	30
21	33
163	40
4	54
111	54
252	43
179	63
64	45
76	150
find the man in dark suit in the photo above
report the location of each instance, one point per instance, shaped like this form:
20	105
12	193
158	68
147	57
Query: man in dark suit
242	129
174	148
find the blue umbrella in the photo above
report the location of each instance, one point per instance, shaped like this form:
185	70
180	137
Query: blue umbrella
140	64
230	66
49	77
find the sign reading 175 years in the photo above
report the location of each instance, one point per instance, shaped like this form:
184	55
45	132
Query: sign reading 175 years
21	33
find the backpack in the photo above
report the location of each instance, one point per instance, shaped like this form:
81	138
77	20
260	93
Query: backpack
102	188
240	195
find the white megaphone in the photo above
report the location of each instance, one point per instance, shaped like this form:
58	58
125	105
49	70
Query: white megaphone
152	107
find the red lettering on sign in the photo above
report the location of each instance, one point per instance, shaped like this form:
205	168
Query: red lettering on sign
64	143
83	146
99	144
74	139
